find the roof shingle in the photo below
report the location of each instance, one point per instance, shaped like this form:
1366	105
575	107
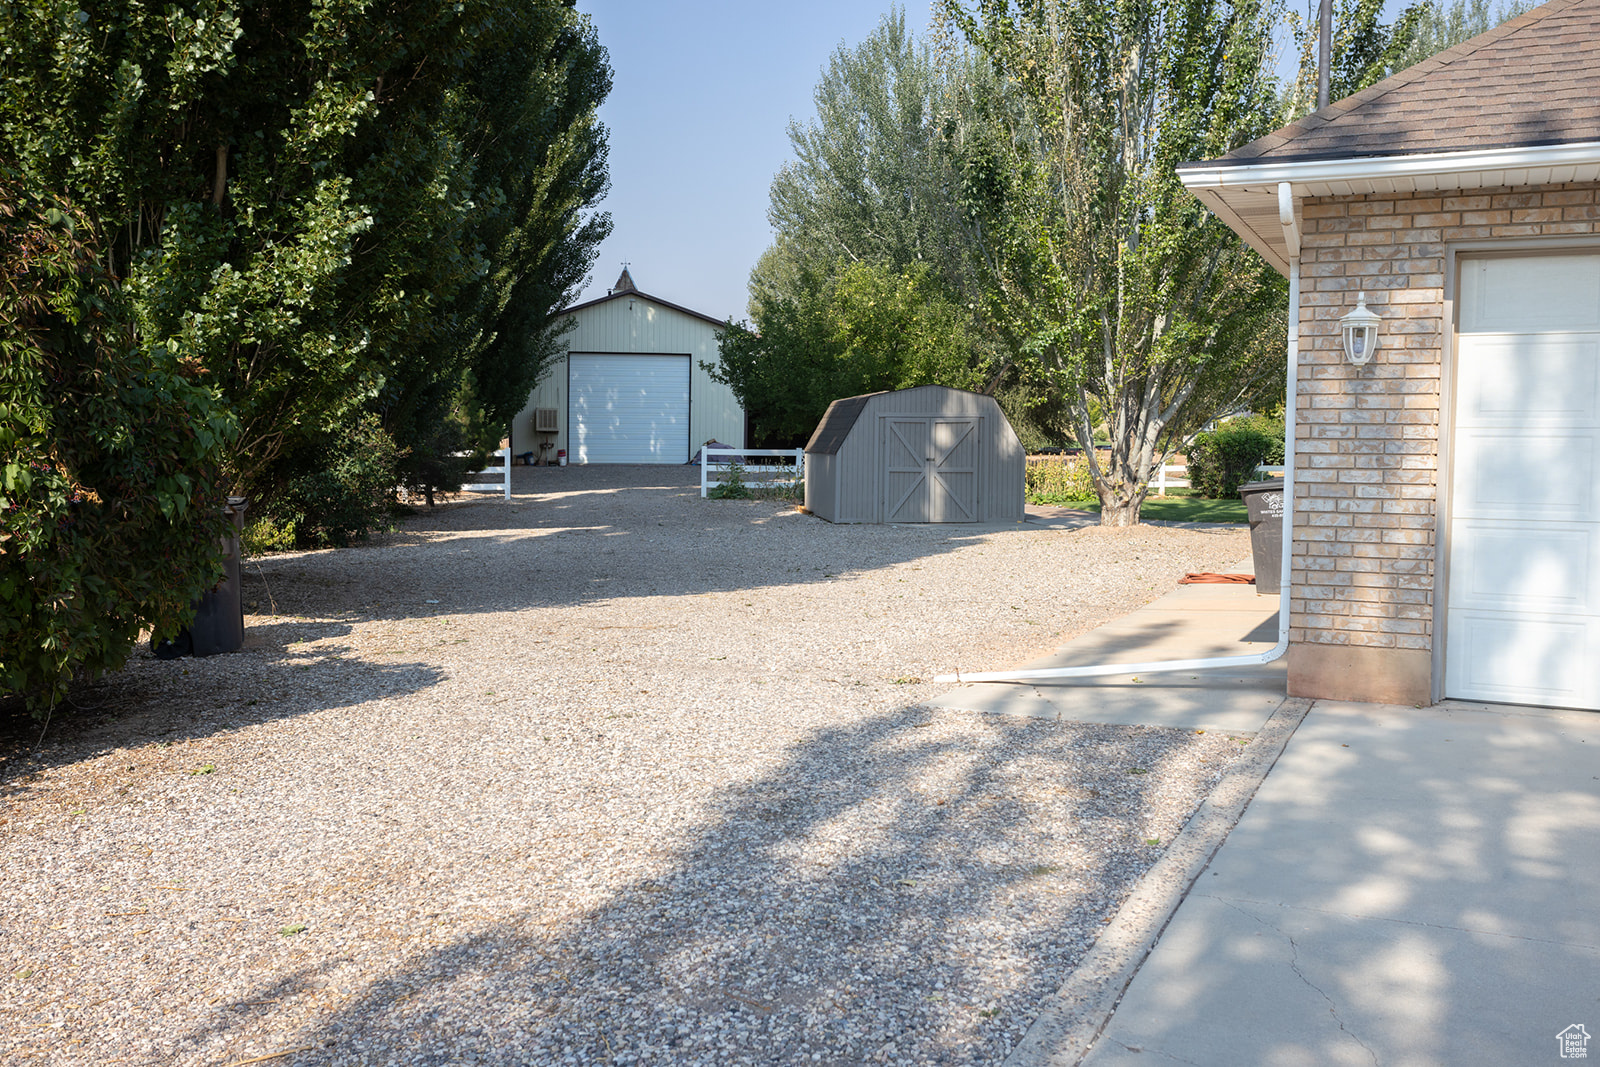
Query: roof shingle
1534	80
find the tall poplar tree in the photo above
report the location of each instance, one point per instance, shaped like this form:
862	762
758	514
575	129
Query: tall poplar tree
865	286
1365	50
329	207
868	182
1121	295
1444	25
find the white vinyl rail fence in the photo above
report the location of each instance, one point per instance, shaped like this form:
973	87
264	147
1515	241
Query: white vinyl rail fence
503	486
756	475
1182	476
1178	469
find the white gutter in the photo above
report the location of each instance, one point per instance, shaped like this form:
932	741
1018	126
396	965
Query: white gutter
1291	234
1242	195
1371	169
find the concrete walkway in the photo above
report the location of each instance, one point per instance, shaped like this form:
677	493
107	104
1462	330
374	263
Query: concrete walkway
1192	621
1407	885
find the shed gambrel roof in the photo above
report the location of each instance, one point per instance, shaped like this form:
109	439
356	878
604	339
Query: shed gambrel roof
843	414
836	424
1518	105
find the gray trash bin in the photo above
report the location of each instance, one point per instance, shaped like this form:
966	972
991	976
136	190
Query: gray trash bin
1263	501
219	624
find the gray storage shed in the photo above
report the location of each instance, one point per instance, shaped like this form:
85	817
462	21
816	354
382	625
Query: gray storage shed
924	454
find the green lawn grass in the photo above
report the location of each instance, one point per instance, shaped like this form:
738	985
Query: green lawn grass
1186	508
1180	505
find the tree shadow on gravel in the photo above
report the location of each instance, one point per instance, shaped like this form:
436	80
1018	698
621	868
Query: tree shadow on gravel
891	893
594	534
192	698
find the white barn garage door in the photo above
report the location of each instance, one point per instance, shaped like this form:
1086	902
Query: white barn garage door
629	409
1523	618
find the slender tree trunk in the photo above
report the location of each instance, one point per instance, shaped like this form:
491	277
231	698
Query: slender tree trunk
219	185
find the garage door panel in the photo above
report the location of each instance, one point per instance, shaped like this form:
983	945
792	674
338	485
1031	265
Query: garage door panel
1526	292
629	408
620	437
1522	623
1526	475
1524	660
1505	379
1506	566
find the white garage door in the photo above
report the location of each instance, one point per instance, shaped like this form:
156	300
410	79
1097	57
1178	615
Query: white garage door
1523	619
629	409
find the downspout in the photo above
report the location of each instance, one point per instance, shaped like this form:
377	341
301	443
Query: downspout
1291	238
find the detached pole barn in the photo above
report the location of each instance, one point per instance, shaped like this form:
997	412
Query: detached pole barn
632	385
924	454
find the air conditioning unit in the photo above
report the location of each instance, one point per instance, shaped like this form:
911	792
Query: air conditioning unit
544	420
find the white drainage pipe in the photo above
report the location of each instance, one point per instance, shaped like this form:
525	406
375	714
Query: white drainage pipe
1291	233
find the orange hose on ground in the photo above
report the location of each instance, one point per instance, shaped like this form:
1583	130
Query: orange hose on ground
1209	578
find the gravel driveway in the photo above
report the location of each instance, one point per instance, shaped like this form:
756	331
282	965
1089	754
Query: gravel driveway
609	774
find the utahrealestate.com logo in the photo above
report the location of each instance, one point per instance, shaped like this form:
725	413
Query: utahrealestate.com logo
1574	1042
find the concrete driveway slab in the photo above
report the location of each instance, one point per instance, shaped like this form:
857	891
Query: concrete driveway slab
1239	983
1409	886
1454	816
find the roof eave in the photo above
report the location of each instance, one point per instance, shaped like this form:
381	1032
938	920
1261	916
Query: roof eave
638	294
1245	194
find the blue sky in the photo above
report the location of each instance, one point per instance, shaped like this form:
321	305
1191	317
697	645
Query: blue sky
698	120
698	114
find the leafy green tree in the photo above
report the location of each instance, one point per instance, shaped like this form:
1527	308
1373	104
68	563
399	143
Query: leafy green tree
458	445
864	329
111	488
526	118
1115	290
334	206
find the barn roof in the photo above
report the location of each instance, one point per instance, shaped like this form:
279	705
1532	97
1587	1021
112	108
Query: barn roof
1518	105
626	288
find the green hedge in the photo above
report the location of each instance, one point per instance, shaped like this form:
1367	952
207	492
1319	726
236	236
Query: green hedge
337	493
1226	458
111	489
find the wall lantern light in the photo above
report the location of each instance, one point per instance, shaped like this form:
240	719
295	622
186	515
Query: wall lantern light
1360	329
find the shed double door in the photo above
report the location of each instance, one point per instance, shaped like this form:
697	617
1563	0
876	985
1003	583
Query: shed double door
1523	618
930	470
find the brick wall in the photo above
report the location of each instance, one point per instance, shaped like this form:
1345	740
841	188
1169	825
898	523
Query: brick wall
1368	441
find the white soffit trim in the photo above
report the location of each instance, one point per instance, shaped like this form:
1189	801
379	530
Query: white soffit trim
1246	195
